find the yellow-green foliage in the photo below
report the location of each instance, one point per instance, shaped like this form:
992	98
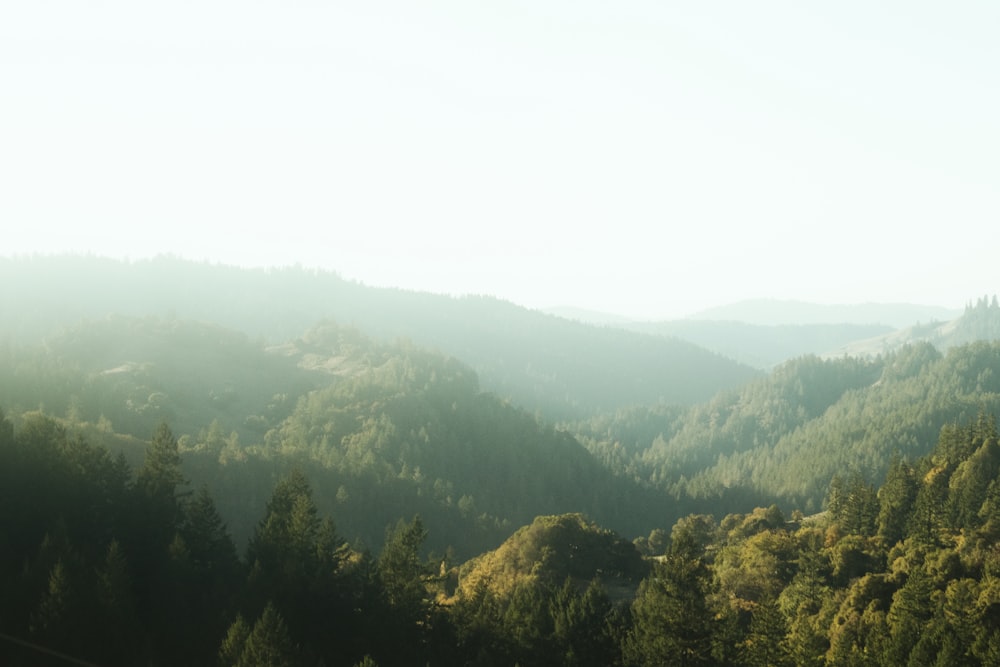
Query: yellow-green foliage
549	550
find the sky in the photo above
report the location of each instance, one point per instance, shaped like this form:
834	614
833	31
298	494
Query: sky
650	159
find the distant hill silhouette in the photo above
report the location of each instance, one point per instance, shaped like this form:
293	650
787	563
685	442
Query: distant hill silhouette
777	312
561	368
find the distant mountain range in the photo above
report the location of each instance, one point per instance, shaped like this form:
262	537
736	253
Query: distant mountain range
764	332
557	367
980	321
772	312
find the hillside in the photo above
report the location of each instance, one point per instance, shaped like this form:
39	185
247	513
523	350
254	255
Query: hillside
780	439
385	430
104	566
560	368
763	346
550	550
979	321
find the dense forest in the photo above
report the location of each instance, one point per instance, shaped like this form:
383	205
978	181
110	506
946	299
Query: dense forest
107	565
183	488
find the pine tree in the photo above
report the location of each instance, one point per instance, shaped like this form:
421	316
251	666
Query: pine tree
896	498
268	644
765	645
160	474
672	624
234	643
400	568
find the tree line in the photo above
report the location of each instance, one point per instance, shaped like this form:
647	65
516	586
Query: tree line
107	565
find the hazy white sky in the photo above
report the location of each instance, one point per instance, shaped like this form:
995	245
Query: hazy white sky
646	158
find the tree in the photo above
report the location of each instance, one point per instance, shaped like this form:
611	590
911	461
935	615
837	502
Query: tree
54	618
401	575
672	624
285	550
160	474
580	625
896	498
765	645
234	643
268	644
400	568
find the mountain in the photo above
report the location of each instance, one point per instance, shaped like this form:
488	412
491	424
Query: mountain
979	321
384	429
587	316
778	312
563	369
780	439
763	346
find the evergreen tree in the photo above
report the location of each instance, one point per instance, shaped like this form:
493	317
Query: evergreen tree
234	643
896	498
268	645
400	568
765	644
160	474
672	624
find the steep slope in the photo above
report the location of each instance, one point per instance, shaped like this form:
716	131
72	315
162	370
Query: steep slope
385	430
782	438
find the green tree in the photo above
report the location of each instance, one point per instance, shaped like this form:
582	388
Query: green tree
234	643
672	623
160	474
765	644
268	645
896	498
55	616
580	629
400	568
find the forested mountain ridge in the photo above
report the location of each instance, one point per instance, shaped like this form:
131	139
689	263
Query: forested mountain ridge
102	565
133	373
384	429
384	426
979	321
296	461
767	345
781	438
560	368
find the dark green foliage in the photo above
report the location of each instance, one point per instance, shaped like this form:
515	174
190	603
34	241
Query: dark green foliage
782	438
853	504
765	644
266	645
116	568
896	498
752	589
672	622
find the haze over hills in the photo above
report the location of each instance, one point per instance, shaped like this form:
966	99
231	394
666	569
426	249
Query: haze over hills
760	345
520	469
979	321
766	332
778	312
561	368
